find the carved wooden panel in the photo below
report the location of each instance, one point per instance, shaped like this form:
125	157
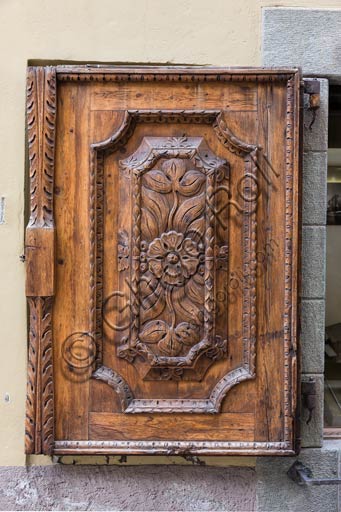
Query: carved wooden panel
39	253
173	242
175	205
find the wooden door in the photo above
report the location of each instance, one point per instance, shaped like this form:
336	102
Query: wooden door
162	260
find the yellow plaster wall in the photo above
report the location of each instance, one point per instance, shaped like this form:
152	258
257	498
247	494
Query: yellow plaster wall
218	32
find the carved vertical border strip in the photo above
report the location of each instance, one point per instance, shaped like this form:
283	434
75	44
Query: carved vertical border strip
135	258
39	429
41	116
99	255
249	152
209	302
289	293
288	255
96	228
39	254
250	265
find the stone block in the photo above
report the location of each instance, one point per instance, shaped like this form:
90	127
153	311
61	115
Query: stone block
312	335
315	124
302	37
314	188
313	261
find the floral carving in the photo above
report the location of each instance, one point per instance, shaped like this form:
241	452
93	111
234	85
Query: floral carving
173	258
173	226
172	237
170	339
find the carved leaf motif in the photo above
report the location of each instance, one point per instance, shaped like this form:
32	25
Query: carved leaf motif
157	181
199	280
176	142
158	208
188	211
170	345
149	285
196	228
186	333
169	340
195	291
175	169
148	224
154	331
40	427
171	373
186	309
219	350
41	114
191	183
152	305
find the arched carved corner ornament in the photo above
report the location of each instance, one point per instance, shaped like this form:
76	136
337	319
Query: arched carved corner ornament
177	256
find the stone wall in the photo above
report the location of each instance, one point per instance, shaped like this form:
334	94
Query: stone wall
142	488
311	42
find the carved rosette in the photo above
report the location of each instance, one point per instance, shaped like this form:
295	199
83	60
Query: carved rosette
173	243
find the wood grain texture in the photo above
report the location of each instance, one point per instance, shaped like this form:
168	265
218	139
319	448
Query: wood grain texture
75	340
105	426
238	97
39	255
176	209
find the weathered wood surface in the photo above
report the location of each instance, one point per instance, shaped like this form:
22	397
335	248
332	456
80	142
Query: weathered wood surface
175	205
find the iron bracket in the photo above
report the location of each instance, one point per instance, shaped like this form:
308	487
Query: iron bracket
308	392
302	475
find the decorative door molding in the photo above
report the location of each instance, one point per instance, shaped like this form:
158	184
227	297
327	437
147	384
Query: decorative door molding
189	170
183	169
39	256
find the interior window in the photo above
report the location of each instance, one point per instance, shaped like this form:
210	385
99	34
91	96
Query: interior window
332	408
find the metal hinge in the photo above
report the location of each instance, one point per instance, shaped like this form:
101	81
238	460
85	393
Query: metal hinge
308	392
312	88
302	475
